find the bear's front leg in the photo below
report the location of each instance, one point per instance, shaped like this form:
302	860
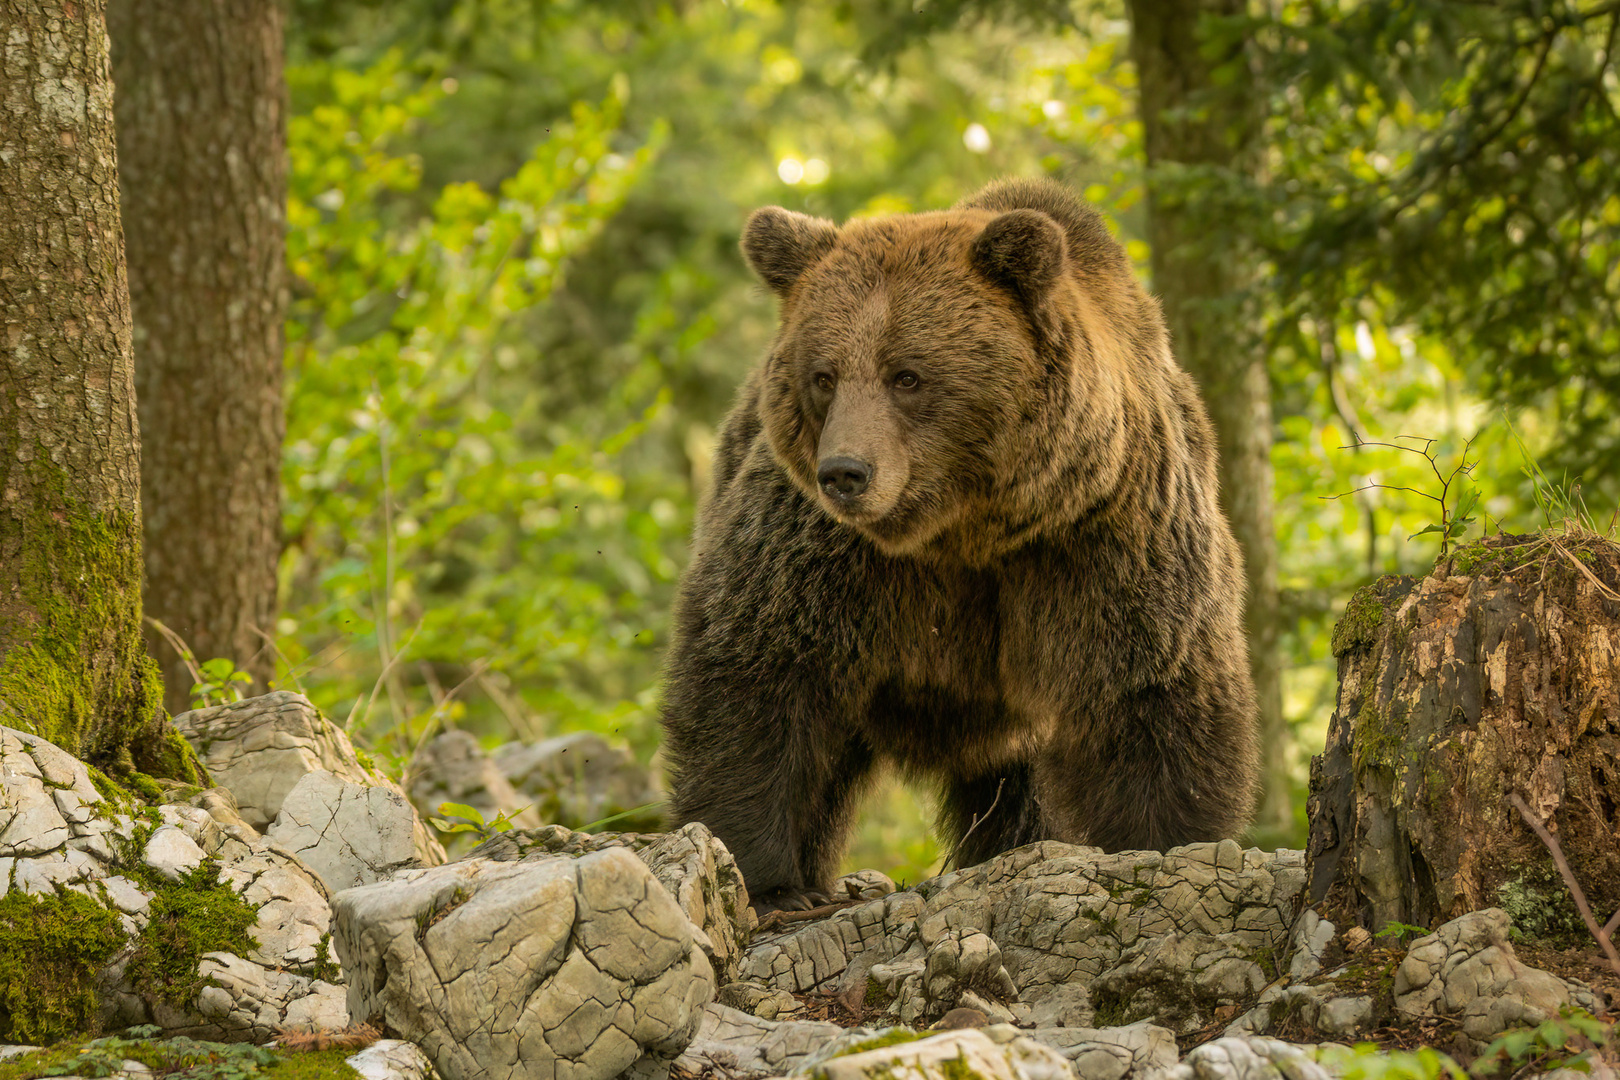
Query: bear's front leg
1157	767
764	759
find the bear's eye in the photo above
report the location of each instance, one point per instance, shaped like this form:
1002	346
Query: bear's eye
906	380
824	382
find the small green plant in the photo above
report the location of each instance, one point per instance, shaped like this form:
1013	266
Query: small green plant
461	818
1457	499
1560	1043
1401	931
219	679
180	1057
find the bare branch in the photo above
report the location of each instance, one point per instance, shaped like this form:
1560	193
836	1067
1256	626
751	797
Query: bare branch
1600	934
977	821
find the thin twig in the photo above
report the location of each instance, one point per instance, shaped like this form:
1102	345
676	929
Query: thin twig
1599	933
179	646
977	821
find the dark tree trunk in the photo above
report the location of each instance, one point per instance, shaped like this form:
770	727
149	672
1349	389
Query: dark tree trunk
1498	674
202	149
1188	120
73	667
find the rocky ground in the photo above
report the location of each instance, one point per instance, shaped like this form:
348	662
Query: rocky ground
306	894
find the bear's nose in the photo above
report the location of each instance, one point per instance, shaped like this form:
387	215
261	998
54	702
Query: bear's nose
843	478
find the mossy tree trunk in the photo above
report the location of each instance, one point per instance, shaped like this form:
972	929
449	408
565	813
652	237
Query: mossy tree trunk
1198	110
1498	674
73	665
203	173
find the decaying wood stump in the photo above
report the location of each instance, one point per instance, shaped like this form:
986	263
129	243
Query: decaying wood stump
1498	673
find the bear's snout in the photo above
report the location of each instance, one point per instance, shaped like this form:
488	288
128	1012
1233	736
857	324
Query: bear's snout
843	478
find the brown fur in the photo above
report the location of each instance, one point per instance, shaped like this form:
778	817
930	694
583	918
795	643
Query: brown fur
1035	592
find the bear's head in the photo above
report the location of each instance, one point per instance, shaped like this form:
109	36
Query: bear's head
926	378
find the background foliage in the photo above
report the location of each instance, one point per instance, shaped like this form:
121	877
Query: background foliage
519	313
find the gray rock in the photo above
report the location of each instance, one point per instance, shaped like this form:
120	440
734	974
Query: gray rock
575	965
690	863
1247	1058
1344	1017
1468	970
863	885
579	778
391	1059
735	1043
1308	943
949	1054
269	989
760	1001
1179	980
349	834
1061	916
1111	1053
962	963
261	747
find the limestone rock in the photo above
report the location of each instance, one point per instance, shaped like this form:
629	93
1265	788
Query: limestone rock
1179	980
1112	1053
734	1043
1468	970
950	1054
391	1059
525	969
579	778
691	863
261	747
84	843
349	834
760	1001
1060	915
963	968
1256	1058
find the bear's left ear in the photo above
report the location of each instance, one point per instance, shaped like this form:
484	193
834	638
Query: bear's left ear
1021	250
780	245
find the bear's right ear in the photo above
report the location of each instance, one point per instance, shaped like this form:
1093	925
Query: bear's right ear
780	245
1021	250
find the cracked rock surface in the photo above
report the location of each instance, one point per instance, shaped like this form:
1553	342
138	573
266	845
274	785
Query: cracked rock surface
350	834
547	967
1468	970
997	1053
262	747
58	832
690	863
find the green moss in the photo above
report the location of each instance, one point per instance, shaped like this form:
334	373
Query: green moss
145	787
197	914
326	969
1377	738
51	949
182	1059
892	1037
1358	626
957	1068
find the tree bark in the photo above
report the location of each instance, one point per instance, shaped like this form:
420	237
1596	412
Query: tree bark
1497	674
73	666
1188	119
202	111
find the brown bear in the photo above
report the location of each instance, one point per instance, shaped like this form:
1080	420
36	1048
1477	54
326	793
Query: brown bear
965	523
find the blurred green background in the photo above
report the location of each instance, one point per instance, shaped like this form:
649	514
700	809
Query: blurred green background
519	313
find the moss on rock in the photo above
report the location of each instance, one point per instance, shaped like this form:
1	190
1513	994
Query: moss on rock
1358	626
52	949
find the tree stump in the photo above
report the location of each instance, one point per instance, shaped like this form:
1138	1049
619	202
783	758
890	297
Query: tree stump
1499	673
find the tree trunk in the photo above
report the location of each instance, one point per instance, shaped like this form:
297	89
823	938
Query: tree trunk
73	666
202	152
1498	674
1188	119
